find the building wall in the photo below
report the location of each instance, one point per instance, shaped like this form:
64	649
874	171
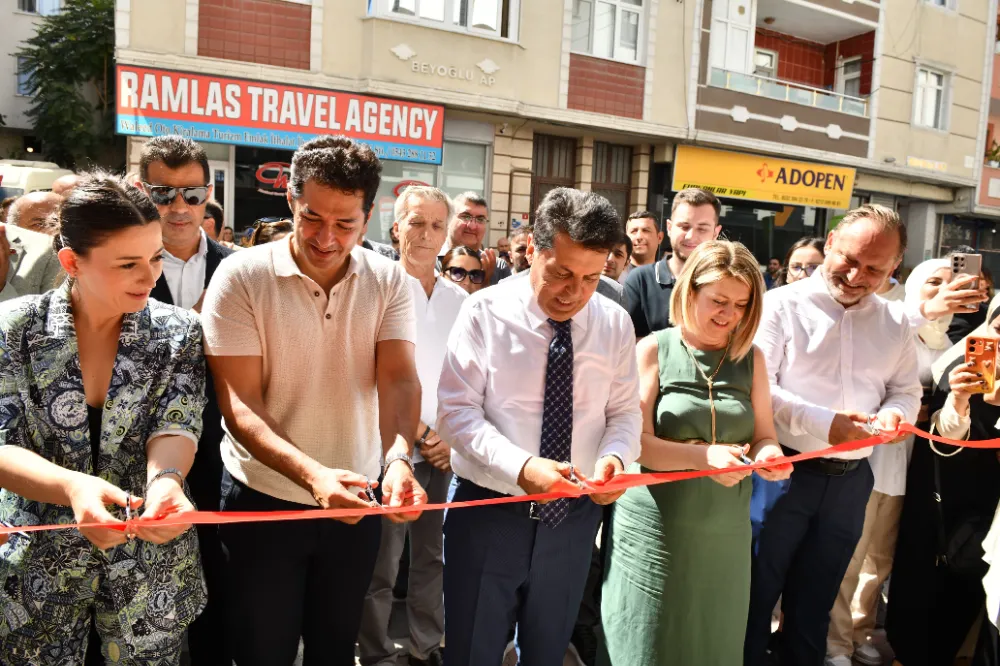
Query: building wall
799	60
954	42
270	32
605	86
861	45
15	27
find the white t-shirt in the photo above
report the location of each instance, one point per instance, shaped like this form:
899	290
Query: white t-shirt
434	317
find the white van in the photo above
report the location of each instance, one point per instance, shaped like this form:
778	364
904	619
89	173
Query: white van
19	177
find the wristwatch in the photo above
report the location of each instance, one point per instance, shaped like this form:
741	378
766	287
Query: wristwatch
393	457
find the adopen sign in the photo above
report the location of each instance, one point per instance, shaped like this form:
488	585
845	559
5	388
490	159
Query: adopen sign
153	102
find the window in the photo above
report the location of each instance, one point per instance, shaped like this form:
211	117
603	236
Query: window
849	80
43	7
23	77
929	99
613	175
765	63
553	164
497	18
608	28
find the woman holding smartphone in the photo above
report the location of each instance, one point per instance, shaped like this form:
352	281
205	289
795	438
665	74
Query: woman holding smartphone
101	395
679	561
936	592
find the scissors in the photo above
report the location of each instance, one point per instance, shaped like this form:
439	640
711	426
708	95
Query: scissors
128	516
370	493
873	425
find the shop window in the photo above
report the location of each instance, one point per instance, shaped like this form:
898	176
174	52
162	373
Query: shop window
462	169
608	28
553	164
613	175
494	18
930	99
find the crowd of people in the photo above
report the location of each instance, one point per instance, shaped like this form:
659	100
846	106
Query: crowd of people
148	368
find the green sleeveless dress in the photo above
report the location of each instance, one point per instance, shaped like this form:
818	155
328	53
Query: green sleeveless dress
677	585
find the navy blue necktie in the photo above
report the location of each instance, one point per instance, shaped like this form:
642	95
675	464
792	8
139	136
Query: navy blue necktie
557	413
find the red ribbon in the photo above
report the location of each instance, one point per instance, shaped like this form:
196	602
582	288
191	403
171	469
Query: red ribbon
620	482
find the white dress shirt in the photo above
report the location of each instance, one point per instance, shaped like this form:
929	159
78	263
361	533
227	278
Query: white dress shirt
435	317
491	392
186	279
823	358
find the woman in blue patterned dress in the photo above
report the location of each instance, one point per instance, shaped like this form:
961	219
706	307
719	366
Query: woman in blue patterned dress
101	394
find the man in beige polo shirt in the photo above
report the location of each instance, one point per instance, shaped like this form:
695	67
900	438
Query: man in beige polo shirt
311	344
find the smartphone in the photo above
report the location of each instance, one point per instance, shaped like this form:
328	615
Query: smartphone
967	264
978	351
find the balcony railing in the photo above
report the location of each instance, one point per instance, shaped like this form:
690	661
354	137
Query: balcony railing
788	91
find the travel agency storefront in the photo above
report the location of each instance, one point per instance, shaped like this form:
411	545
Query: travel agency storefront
250	129
768	203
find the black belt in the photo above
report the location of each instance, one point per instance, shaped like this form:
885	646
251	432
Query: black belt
828	466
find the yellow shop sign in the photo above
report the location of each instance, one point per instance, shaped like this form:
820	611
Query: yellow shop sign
760	178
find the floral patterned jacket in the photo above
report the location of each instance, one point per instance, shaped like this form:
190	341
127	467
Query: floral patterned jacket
157	387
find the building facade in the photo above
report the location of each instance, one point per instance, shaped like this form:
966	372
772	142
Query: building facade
791	111
19	21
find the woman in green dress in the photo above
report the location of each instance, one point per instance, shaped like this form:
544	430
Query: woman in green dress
677	586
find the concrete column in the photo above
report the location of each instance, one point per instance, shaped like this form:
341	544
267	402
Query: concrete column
585	163
512	154
922	232
640	177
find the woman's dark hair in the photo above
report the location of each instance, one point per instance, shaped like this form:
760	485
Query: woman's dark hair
266	231
818	244
459	251
100	206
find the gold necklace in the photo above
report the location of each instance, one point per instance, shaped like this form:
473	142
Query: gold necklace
708	380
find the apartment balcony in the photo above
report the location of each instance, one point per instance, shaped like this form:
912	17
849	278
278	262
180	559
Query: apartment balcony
789	72
789	91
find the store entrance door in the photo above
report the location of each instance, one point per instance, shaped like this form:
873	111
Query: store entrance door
224	193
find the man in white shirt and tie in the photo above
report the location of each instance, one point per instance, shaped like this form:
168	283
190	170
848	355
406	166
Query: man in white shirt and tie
539	384
836	354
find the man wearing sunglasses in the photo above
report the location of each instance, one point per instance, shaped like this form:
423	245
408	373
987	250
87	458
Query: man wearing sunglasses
174	173
468	228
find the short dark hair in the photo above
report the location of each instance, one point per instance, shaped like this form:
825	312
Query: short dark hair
214	208
643	215
628	247
100	206
473	198
339	163
521	231
266	231
589	219
695	196
778	259
175	152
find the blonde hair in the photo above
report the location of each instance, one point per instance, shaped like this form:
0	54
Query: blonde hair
712	262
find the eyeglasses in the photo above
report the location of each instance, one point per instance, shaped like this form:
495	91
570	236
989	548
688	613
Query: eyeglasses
456	274
808	269
468	217
164	195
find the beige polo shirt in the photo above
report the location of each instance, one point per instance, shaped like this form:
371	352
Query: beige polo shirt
318	354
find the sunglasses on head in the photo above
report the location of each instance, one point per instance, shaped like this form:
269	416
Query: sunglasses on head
456	274
163	195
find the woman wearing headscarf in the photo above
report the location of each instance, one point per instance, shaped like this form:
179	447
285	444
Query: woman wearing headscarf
852	619
951	495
